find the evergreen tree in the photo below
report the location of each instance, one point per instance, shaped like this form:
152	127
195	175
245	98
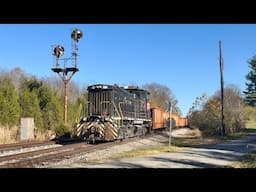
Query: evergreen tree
9	106
50	107
29	103
78	109
250	93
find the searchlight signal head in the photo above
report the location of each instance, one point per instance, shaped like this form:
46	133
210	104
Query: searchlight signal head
76	34
58	51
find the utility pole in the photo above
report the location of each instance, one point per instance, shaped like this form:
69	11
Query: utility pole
170	123
58	51
222	126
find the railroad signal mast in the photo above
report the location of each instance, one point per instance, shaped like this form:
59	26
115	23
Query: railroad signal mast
67	72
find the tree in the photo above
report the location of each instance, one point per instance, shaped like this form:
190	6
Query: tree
205	112
250	93
79	109
198	103
56	84
9	106
16	75
24	95
234	108
50	106
29	102
160	97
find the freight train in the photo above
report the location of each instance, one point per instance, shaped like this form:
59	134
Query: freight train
121	112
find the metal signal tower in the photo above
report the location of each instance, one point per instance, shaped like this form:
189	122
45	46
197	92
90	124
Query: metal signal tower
66	73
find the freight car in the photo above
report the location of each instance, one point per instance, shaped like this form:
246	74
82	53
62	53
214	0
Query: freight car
161	119
120	112
115	113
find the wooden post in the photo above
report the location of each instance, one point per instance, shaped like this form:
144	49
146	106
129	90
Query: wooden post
222	127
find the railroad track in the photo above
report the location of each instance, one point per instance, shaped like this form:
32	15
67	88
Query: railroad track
40	157
25	144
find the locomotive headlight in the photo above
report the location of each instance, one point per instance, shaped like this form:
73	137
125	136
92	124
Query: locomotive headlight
93	129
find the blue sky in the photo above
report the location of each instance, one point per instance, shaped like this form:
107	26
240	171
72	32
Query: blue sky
184	57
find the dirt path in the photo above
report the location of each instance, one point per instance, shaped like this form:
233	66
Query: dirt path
211	156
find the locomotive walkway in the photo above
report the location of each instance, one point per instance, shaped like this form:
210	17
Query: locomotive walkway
211	156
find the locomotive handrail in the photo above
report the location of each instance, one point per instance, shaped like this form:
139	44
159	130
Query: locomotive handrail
89	108
119	104
117	111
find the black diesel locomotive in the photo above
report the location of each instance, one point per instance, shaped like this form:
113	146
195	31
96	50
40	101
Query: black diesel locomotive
115	113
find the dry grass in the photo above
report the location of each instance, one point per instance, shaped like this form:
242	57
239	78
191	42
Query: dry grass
203	140
186	133
40	136
251	124
196	133
248	161
8	135
194	138
193	142
11	135
140	152
147	151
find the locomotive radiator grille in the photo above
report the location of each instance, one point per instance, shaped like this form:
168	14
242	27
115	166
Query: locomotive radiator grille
99	103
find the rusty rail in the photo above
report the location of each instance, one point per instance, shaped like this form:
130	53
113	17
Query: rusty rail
72	149
27	144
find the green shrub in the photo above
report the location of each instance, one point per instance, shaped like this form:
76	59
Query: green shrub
63	131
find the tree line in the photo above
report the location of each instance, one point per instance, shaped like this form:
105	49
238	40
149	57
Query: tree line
23	95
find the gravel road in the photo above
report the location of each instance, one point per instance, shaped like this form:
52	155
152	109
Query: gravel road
212	156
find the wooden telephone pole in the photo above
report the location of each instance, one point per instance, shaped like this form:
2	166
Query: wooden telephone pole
222	126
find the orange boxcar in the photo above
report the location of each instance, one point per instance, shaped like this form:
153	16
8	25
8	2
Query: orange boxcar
182	122
160	119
